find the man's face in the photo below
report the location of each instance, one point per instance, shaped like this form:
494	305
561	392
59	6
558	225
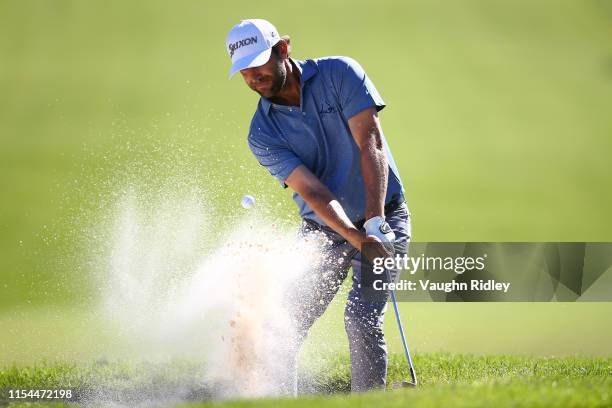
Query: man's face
268	79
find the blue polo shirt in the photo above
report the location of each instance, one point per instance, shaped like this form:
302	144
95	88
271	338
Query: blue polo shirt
316	134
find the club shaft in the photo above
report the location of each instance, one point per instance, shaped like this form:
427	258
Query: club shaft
402	335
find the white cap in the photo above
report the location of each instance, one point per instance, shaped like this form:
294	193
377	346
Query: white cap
249	44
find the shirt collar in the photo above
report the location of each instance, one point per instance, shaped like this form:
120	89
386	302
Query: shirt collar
307	69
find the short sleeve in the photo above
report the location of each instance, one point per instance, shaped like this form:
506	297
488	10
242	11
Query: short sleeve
273	155
356	91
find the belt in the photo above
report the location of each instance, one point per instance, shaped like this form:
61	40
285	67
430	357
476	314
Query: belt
391	206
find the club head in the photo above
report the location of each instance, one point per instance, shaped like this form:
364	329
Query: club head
403	384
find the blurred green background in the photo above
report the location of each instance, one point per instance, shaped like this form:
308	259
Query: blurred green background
498	117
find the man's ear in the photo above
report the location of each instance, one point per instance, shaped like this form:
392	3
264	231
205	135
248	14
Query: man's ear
283	49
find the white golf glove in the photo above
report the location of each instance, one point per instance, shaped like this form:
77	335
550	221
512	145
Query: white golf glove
378	227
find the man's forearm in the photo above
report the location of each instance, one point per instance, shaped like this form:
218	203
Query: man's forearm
323	203
375	170
366	130
330	211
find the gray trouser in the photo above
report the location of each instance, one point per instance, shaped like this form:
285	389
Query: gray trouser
363	320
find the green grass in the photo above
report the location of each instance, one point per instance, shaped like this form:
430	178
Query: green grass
566	393
445	379
540	329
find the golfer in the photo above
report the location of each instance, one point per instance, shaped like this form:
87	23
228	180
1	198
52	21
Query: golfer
316	129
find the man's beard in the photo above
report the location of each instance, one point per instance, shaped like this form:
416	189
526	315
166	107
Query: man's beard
278	82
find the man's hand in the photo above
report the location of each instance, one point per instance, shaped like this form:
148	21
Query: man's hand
379	229
372	248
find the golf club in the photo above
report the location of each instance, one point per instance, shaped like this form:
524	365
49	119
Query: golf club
403	336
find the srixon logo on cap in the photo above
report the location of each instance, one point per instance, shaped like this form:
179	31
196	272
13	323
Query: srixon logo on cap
240	43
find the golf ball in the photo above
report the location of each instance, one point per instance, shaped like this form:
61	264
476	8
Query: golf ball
247	201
